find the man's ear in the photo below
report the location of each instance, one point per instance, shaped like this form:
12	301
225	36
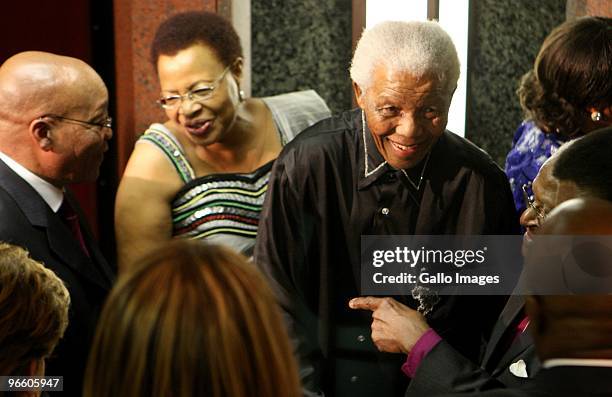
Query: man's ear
358	95
40	130
451	94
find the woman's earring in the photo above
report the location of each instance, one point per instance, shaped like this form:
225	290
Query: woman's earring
596	116
240	95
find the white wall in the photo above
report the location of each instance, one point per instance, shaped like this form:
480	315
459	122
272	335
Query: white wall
241	19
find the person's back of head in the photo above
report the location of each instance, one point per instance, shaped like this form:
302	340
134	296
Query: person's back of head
576	321
583	167
421	48
570	79
191	320
33	312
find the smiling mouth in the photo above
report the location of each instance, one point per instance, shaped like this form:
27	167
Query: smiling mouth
405	148
199	127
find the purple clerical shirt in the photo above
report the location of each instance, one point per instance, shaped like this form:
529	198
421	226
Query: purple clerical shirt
423	346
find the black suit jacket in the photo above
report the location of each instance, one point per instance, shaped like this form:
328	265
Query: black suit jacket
567	381
26	220
445	370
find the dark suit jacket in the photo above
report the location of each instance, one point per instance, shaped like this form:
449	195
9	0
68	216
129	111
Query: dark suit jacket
558	382
445	370
27	221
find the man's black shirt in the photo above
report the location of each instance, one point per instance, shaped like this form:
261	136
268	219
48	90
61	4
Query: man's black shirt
324	193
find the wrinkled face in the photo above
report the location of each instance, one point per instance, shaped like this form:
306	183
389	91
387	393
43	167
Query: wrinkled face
81	147
406	115
205	121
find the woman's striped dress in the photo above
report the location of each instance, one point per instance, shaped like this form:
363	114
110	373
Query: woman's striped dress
225	208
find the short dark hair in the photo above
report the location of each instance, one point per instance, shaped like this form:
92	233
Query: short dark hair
196	27
587	162
571	72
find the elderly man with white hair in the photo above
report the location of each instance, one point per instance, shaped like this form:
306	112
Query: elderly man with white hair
387	168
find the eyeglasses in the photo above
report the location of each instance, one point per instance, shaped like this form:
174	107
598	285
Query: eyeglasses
530	202
199	94
107	123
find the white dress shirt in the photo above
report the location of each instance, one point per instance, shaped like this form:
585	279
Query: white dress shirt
52	195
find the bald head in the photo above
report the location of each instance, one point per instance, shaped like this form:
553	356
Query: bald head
40	93
35	83
577	326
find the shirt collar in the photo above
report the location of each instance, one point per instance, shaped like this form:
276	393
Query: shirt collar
52	195
372	165
576	362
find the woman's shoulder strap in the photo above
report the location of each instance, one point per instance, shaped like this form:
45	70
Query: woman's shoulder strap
161	137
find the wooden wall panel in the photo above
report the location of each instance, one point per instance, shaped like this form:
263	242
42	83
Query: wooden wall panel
579	8
136	82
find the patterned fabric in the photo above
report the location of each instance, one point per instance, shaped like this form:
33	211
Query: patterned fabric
225	208
531	147
163	138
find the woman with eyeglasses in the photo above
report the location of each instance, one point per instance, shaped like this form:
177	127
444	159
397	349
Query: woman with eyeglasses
204	172
567	94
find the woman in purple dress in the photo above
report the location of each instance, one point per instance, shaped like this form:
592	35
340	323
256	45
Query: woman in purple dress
568	93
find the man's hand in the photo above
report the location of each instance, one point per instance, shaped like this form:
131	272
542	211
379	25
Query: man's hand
395	327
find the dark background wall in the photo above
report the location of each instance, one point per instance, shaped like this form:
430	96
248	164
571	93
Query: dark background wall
301	44
504	40
77	28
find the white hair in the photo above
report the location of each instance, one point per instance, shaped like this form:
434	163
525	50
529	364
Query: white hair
416	47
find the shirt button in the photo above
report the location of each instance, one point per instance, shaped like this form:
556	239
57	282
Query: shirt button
354	379
361	338
385	211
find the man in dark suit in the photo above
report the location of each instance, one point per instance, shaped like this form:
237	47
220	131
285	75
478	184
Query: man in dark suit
571	328
54	128
580	169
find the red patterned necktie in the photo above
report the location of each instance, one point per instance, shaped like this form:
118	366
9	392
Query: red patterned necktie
71	219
